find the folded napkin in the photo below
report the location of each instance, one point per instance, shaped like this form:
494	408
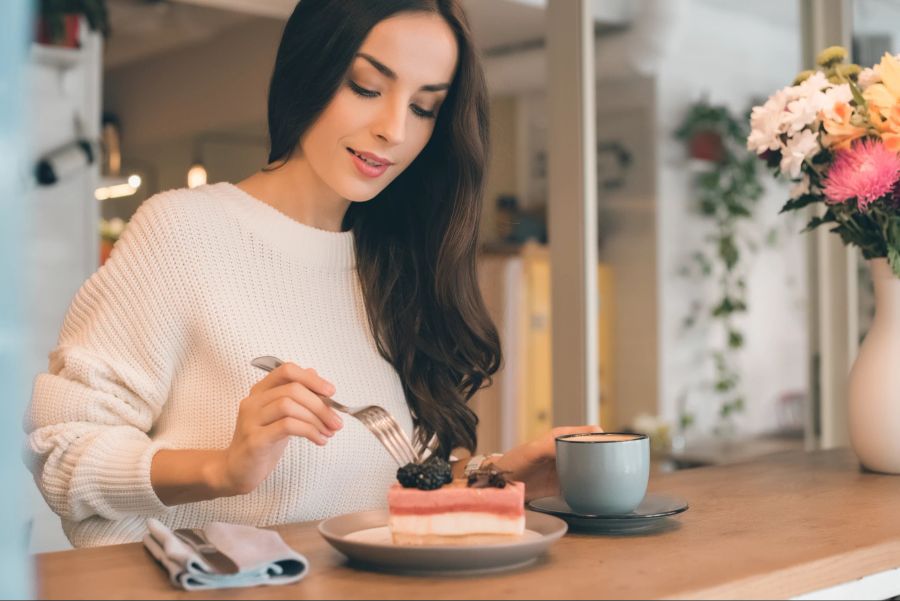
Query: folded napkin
262	556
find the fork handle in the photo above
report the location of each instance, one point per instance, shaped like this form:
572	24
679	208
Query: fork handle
267	363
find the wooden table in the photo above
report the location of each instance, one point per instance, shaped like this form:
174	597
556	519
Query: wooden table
776	527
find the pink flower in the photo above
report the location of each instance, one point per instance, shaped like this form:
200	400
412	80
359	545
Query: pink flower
866	171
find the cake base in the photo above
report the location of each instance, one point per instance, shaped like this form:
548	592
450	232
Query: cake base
422	540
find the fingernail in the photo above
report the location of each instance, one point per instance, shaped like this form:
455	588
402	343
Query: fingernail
338	422
331	389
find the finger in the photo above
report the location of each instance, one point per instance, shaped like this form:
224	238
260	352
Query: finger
288	426
288	407
254	404
291	372
311	401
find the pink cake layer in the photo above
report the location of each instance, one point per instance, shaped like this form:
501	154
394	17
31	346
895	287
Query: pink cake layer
456	496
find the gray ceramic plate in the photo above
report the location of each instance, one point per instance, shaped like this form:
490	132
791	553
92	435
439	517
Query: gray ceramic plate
364	538
650	515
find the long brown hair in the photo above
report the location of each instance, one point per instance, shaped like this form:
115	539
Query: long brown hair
415	241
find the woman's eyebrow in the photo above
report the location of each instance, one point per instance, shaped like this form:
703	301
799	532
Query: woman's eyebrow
387	72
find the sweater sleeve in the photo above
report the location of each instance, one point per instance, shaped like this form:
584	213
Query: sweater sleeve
110	374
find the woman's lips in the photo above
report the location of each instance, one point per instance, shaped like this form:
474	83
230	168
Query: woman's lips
366	168
371	157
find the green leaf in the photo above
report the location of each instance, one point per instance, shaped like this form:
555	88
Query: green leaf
723	308
799	202
724	385
707	207
847	236
857	95
893	245
817	221
893	257
735	339
728	306
728	252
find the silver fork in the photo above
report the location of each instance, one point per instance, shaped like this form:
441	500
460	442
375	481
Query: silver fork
375	418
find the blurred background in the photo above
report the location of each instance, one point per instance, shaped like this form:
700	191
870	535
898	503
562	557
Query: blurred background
708	331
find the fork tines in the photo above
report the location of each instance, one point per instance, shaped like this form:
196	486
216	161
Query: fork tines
388	431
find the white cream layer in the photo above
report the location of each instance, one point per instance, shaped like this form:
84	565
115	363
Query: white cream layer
456	524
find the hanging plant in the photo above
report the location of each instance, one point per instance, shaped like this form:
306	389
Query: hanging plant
727	189
707	131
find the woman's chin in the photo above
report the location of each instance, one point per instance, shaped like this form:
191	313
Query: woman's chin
355	194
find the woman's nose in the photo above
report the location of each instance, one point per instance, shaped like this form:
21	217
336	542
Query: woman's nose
391	124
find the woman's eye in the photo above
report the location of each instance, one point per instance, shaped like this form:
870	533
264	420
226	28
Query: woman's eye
422	112
363	92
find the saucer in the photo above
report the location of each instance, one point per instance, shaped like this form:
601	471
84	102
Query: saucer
650	515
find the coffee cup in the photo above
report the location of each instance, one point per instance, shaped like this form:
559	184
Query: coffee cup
603	473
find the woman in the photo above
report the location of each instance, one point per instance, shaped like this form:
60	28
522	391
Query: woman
351	255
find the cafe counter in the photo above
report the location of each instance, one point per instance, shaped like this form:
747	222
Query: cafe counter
795	524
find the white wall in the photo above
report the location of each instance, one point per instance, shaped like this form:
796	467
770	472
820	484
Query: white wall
731	58
62	235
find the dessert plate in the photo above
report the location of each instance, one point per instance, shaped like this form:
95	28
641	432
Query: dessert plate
365	539
650	515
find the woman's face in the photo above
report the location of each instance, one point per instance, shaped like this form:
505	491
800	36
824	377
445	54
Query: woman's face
386	106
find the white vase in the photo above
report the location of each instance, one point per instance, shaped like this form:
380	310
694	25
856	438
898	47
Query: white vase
874	402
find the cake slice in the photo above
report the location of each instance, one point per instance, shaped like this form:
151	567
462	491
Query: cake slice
456	514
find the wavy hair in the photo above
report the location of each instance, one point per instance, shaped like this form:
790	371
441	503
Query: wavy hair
416	240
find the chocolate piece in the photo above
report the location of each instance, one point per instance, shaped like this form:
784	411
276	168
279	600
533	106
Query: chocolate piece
486	478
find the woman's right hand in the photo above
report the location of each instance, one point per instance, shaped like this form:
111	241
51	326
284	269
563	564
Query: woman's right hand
281	405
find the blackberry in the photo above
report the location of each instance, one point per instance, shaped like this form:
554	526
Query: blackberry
430	480
440	467
408	475
431	475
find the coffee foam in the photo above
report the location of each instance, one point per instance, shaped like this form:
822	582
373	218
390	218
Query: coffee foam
603	438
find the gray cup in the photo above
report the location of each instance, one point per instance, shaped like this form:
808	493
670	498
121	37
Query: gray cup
603	473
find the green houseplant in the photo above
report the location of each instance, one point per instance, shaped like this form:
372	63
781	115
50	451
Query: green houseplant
727	187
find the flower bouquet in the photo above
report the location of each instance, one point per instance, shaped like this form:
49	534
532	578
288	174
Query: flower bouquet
836	134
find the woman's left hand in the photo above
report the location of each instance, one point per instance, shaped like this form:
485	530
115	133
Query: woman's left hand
534	463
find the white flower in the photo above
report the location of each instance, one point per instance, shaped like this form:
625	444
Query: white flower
836	94
803	145
811	85
767	124
802	112
868	76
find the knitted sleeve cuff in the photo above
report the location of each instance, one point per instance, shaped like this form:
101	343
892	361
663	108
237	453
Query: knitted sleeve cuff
112	477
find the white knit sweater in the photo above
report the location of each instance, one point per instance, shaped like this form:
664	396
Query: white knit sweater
155	353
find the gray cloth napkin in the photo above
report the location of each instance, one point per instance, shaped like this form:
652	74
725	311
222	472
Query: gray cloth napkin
262	556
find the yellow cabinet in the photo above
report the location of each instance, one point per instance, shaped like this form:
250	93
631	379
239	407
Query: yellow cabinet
516	289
